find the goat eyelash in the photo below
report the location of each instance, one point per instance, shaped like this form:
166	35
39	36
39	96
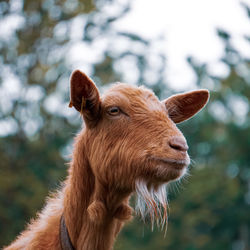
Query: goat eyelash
113	111
113	106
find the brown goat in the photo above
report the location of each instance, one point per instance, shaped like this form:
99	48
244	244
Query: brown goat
130	144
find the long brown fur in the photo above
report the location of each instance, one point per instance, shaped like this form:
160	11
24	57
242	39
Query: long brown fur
130	143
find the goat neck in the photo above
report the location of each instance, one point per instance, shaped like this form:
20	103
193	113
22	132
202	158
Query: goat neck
92	222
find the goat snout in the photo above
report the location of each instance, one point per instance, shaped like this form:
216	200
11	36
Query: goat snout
178	143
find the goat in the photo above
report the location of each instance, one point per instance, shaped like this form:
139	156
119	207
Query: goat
130	143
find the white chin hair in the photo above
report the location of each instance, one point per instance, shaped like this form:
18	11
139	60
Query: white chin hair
183	173
152	202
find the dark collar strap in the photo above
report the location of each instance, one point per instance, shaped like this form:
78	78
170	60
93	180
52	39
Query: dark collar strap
65	241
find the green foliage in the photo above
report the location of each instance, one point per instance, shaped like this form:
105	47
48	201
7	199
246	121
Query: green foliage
209	210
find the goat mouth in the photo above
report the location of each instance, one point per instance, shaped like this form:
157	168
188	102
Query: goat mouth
175	163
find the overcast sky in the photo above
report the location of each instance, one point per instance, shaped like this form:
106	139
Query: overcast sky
189	28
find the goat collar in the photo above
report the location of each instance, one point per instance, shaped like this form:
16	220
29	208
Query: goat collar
65	241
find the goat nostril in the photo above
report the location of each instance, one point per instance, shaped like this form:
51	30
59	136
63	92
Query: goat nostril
178	144
177	147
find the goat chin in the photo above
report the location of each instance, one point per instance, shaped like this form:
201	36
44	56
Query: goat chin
152	200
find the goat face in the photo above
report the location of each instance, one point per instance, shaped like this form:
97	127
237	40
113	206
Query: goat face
131	135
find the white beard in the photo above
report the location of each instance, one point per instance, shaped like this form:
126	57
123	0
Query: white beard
152	202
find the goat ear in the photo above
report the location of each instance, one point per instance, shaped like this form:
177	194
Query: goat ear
183	106
84	96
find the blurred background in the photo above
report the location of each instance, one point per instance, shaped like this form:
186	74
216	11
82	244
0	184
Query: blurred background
169	46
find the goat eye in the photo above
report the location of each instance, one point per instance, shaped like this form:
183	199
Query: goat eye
113	111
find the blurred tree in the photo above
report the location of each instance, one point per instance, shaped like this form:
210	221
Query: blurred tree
41	42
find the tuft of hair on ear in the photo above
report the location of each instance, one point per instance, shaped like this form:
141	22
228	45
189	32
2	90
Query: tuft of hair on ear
84	97
183	106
